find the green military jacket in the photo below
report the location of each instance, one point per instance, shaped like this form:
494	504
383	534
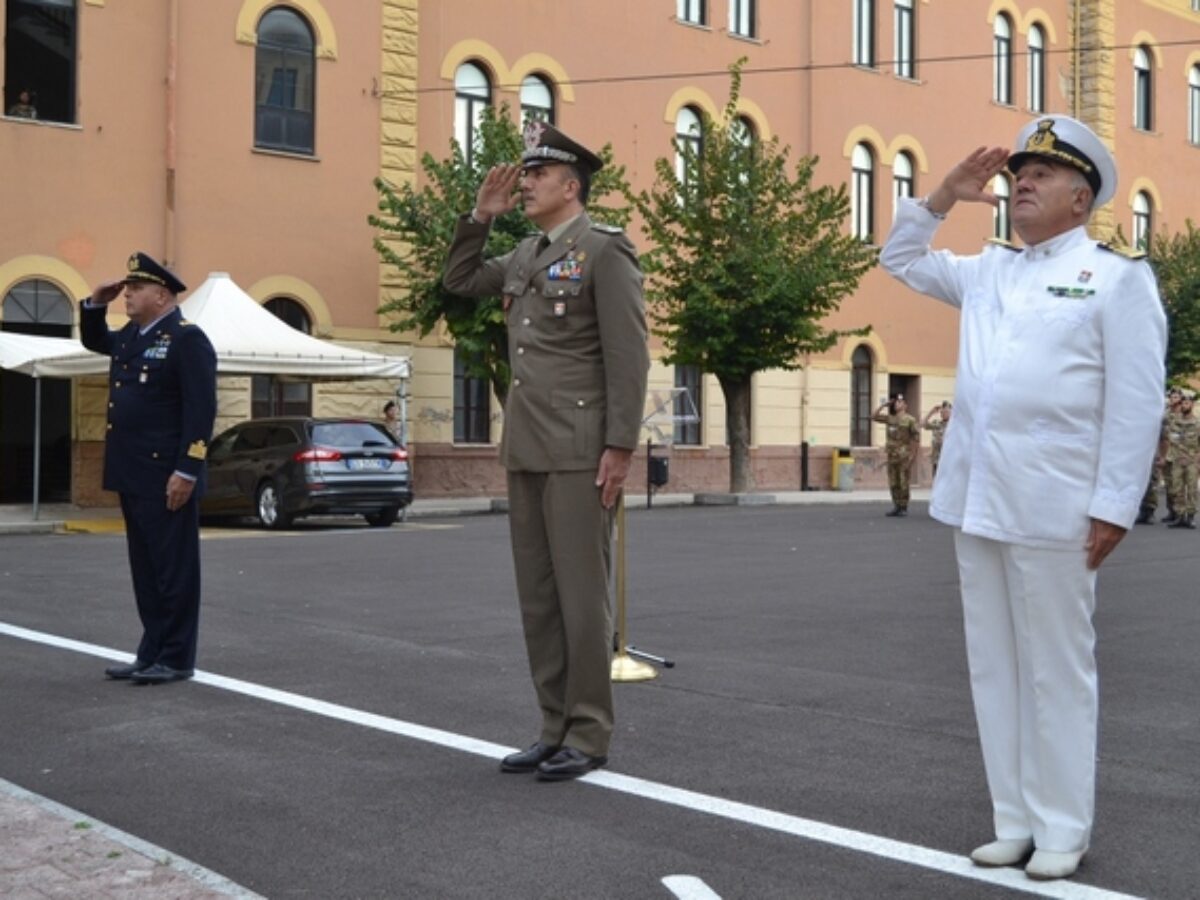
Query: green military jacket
576	341
1183	437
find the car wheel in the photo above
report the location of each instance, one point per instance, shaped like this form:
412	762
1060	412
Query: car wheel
269	507
383	518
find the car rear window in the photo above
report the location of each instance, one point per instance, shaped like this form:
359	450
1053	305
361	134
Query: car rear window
350	434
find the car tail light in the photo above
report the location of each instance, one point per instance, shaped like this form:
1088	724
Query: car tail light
316	454
400	454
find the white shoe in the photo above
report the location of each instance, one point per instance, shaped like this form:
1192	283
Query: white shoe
1046	865
1002	852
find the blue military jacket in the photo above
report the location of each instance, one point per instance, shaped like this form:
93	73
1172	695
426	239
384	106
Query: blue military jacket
162	400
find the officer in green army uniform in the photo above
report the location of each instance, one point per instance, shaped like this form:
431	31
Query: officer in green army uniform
903	434
1183	453
573	302
936	421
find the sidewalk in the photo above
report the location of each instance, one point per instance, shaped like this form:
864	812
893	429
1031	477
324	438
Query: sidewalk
58	517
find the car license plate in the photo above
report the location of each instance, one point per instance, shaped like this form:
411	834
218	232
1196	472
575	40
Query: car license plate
360	464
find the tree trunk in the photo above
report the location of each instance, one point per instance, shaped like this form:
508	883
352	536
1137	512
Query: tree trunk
737	427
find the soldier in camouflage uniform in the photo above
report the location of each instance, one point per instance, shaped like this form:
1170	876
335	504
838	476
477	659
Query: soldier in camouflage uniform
936	421
903	434
1183	453
1149	502
1174	397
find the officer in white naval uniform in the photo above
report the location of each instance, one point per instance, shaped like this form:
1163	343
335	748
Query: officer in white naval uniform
1056	412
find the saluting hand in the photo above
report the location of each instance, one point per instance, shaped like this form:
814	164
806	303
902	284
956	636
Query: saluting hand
969	180
498	193
107	292
611	475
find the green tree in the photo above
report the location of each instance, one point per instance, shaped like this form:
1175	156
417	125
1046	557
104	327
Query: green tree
417	225
747	259
1176	262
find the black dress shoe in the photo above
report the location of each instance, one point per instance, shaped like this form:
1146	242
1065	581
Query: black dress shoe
568	763
125	672
159	674
527	760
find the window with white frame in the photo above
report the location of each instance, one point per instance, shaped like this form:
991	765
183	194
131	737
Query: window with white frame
1142	223
742	18
903	183
537	100
1194	104
1143	90
1037	69
472	93
1002	60
862	193
689	143
1001	224
903	42
864	33
691	380
692	11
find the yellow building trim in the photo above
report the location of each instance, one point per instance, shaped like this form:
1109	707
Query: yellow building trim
880	363
1142	184
541	64
246	29
473	50
906	143
45	268
93	2
1181	8
1192	61
864	134
299	290
757	117
1009	8
1145	38
1041	18
689	96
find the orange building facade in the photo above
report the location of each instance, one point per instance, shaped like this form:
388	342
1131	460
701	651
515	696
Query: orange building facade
243	136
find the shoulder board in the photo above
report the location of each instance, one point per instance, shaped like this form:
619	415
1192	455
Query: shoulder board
1007	245
186	322
606	229
1122	250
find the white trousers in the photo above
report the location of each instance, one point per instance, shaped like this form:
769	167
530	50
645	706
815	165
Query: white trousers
1031	652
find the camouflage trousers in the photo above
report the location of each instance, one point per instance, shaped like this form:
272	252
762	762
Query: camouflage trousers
1150	498
1181	493
898	465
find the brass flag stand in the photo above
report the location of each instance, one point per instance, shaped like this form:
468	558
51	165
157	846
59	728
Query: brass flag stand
624	666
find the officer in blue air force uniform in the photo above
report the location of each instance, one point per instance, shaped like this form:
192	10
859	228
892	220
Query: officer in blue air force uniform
577	343
1057	407
161	405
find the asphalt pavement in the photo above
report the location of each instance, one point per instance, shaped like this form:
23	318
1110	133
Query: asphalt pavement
814	739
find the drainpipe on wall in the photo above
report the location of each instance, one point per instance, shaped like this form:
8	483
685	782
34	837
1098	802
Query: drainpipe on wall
172	71
1077	63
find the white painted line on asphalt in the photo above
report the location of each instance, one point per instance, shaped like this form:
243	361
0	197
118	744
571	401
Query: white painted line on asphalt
689	887
756	816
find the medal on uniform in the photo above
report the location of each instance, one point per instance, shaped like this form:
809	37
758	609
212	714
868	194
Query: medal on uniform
142	378
560	309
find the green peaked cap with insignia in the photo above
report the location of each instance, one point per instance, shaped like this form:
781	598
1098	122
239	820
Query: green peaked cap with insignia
545	145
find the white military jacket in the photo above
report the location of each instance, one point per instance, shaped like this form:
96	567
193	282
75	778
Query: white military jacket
1058	400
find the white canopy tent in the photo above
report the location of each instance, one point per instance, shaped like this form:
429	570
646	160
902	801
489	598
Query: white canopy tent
248	339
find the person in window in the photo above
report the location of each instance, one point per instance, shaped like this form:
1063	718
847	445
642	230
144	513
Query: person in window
1057	410
23	108
162	400
577	340
391	419
903	433
936	421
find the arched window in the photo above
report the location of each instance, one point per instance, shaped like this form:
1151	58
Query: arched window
864	33
36	307
689	143
903	53
862	376
903	180
1001	225
1142	223
1037	69
1143	91
862	193
285	73
1002	60
1194	106
472	92
270	395
537	100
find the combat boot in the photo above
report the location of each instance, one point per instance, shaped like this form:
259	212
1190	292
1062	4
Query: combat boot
1170	517
1145	516
896	511
1184	521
